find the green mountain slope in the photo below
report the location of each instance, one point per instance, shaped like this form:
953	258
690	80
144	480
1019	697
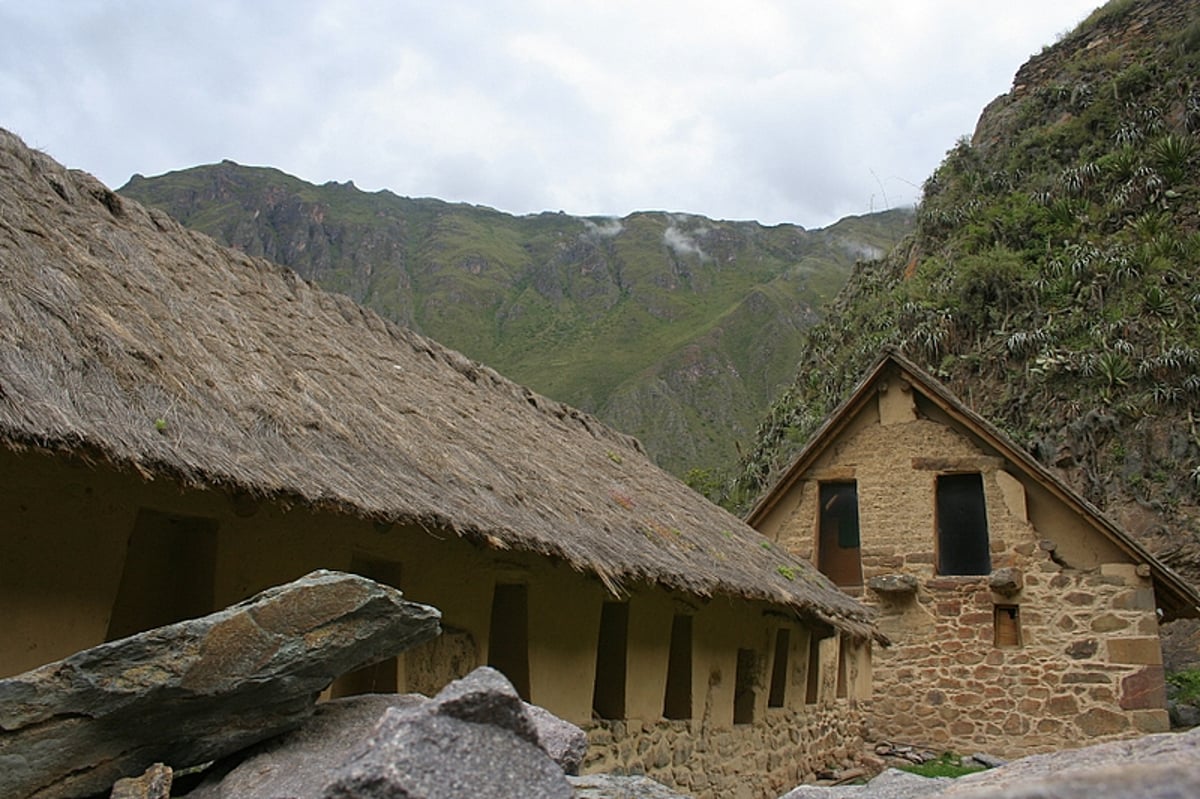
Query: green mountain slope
1052	278
675	328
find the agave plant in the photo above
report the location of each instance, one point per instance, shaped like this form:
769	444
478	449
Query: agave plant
1114	368
1157	302
1171	154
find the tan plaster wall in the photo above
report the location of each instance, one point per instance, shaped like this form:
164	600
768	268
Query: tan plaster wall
61	559
57	586
650	618
1088	668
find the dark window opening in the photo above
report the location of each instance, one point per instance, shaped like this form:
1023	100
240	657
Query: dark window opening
1007	626
508	636
744	682
382	677
839	556
962	532
812	683
779	670
677	703
170	568
608	691
843	657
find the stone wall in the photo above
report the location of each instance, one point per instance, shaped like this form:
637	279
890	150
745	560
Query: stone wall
1087	665
752	761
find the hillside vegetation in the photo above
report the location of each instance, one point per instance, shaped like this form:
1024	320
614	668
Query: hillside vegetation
1051	278
675	328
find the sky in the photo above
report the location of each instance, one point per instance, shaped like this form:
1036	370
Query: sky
773	110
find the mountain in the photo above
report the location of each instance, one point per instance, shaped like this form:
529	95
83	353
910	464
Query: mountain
675	328
1051	280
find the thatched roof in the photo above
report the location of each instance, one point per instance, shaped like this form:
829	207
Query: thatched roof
1176	597
131	340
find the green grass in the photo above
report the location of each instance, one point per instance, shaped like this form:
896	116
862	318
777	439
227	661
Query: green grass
1187	684
947	765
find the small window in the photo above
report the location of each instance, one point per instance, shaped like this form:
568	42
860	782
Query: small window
842	677
962	532
839	556
1008	626
381	677
608	691
169	571
677	703
779	670
812	683
744	683
508	638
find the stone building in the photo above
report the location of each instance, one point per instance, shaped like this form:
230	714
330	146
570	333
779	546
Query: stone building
1021	619
182	426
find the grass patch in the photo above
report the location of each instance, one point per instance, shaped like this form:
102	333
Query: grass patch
1187	686
947	765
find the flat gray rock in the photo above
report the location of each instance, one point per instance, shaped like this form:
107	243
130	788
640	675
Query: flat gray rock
612	786
1163	765
298	764
1150	781
197	690
890	784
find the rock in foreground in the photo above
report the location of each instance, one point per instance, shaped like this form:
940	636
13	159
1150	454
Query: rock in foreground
475	738
197	690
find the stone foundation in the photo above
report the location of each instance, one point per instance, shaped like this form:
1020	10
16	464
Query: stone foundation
752	761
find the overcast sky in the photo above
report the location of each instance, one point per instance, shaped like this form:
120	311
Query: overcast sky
772	110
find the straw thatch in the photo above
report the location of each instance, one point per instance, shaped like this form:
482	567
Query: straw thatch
1176	597
131	340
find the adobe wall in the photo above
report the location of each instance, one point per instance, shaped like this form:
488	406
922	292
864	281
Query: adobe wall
1088	666
69	529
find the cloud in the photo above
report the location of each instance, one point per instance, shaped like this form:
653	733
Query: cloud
606	229
770	110
682	243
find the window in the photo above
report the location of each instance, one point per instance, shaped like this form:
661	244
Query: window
779	669
812	684
508	639
1007	626
608	691
381	677
677	704
962	533
838	549
170	566
744	682
843	657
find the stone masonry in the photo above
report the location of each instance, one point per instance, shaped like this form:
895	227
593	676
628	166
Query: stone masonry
1087	663
784	749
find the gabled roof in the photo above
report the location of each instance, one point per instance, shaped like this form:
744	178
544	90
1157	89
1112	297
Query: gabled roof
1176	597
130	340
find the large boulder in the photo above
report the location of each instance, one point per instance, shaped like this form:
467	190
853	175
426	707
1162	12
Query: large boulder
298	763
1162	766
475	738
198	690
482	734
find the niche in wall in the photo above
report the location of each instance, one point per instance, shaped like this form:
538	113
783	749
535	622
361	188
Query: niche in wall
169	571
